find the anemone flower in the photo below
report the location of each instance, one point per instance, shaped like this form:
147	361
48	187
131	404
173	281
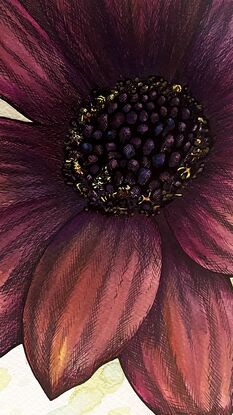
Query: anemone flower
116	200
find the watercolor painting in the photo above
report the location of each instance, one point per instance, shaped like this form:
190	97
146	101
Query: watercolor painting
116	207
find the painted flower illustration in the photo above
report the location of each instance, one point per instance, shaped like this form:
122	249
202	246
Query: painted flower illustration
116	202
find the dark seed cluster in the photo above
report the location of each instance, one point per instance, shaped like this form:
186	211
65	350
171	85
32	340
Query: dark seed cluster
132	149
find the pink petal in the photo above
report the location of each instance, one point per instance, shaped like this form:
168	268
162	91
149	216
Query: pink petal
34	204
180	360
35	77
91	290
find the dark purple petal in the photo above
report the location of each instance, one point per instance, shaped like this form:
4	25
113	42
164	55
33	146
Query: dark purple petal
208	64
107	39
34	204
180	360
35	77
92	289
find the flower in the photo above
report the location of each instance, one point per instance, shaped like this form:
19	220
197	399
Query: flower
79	288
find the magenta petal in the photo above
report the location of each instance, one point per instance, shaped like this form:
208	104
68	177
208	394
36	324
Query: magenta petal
180	360
34	204
92	289
35	77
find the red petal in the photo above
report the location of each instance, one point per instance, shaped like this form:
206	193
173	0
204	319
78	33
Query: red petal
34	204
35	77
93	287
180	360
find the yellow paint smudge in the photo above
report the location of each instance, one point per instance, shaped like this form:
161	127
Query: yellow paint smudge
16	411
120	411
90	394
57	368
5	378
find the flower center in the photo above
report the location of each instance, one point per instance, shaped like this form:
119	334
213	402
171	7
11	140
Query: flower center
134	148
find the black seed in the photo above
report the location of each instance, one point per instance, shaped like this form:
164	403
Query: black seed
179	140
92	158
111	134
131	117
127	108
129	151
88	129
94	169
163	111
185	114
138	106
154	117
153	185
150	106
136	141
158	160
97	135
143	116
168	142
148	147
144	98
161	100
112	107
118	120
110	146
174	159
174	101
124	134
153	95
86	147
156	195
181	126
142	128
170	124
103	122
134	98
135	192
113	164
144	176
158	129
123	97
133	165
174	112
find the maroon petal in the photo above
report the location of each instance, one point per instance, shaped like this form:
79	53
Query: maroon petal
91	290
35	77
31	161
180	360
33	206
109	39
203	219
208	63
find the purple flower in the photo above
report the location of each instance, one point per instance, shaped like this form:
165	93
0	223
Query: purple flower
80	287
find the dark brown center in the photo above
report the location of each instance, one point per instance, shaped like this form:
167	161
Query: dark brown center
133	148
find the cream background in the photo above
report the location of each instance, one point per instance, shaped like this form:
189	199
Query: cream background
106	393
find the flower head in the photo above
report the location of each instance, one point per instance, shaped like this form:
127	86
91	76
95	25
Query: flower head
116	201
